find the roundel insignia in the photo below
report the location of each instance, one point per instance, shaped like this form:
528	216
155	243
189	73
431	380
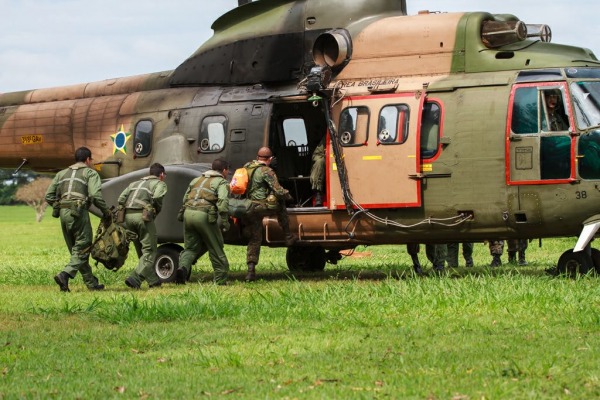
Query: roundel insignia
120	141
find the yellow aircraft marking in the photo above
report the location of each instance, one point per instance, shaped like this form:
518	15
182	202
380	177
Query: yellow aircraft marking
372	158
426	167
32	139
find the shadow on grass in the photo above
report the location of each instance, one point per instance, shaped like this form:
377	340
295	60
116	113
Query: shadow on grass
375	275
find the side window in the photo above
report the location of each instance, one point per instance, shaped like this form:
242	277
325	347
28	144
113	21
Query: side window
393	124
354	126
540	112
589	155
430	130
142	139
294	132
212	134
525	111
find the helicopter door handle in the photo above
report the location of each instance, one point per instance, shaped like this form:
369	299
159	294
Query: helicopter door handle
515	138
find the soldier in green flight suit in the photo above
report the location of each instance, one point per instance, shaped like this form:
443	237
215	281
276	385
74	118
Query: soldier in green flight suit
70	194
142	201
268	198
205	198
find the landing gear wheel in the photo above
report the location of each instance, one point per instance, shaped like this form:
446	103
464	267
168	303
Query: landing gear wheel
167	262
572	263
596	259
305	259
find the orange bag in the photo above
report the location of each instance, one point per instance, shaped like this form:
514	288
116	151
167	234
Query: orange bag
239	182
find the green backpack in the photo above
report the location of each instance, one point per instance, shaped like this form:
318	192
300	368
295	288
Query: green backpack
111	245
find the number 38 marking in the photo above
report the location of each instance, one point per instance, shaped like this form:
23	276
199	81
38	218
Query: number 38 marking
579	195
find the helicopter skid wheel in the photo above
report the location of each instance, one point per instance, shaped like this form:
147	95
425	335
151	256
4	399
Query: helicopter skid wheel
305	259
572	263
167	262
596	260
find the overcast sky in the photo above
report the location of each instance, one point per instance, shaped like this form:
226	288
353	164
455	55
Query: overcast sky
45	43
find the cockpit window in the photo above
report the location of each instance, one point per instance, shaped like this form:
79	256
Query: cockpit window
588	153
583	73
538	110
540	116
586	102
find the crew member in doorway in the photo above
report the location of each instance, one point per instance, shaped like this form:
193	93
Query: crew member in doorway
317	172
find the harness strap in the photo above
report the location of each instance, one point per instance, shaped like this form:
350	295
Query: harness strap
134	201
71	180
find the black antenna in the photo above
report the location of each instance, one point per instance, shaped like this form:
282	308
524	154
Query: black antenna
242	2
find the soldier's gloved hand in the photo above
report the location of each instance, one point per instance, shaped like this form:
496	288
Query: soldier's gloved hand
225	225
288	197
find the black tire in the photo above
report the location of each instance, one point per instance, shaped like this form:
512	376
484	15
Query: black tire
305	259
167	262
573	263
596	259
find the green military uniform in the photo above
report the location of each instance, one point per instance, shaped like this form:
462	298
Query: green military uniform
73	190
517	246
437	253
413	251
147	193
317	171
496	250
263	184
205	197
452	256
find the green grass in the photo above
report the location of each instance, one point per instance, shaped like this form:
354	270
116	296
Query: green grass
363	329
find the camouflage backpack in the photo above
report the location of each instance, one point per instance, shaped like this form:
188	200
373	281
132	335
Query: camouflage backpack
111	245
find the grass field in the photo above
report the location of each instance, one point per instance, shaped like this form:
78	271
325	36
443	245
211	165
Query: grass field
366	328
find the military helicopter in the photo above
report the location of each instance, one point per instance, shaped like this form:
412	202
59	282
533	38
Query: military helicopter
439	127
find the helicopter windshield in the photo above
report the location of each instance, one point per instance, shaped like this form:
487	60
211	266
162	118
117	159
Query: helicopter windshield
586	102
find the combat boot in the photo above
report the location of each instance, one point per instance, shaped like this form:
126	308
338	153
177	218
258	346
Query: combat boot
438	268
512	257
522	260
416	264
180	276
469	262
62	280
251	276
318	199
96	285
130	282
496	261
